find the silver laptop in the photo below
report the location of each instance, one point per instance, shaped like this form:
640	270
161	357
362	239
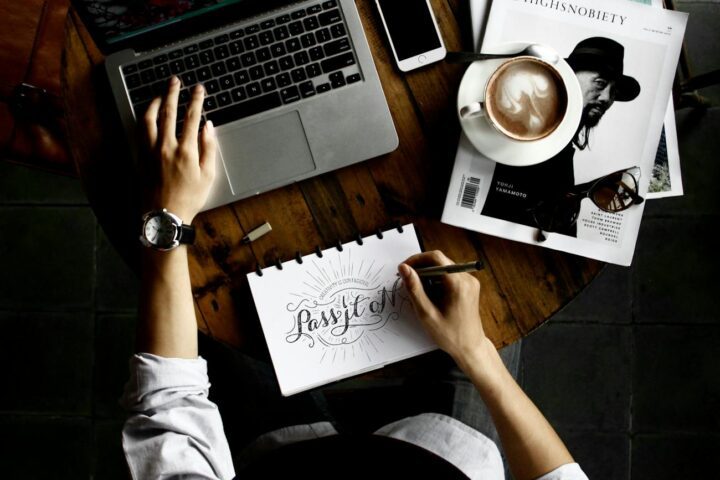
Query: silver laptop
291	86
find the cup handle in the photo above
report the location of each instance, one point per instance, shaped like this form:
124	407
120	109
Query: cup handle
475	109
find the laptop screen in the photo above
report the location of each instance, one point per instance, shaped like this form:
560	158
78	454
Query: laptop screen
118	20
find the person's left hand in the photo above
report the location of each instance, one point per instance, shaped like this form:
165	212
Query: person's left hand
185	167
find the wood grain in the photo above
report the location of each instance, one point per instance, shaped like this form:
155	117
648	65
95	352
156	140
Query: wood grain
522	285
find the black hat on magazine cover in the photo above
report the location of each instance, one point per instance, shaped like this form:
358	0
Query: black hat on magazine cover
606	56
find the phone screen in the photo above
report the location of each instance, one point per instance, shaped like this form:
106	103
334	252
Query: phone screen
411	27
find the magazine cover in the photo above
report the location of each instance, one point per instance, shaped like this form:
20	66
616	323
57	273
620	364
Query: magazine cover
616	133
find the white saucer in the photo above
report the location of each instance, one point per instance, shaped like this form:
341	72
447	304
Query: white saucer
496	146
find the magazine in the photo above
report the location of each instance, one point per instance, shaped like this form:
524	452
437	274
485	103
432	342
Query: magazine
666	178
496	199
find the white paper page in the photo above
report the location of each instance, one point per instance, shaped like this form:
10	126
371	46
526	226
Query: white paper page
341	314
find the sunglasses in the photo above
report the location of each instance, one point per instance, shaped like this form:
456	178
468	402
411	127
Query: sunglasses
612	193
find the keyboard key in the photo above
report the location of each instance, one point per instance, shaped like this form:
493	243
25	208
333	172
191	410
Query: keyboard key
140	109
188	79
337	80
238	94
128	69
162	71
286	63
176	67
218	69
266	38
263	54
271	68
329	4
338	30
141	94
190	49
355	77
290	94
296	28
283	80
253	89
307	89
338	62
147	76
159	89
256	72
184	96
297	14
323	35
316	53
222	39
236	48
145	64
251	42
233	63
241	77
293	45
181	112
268	85
282	19
239	33
175	54
314	9
226	82
221	52
248	59
133	81
207	57
298	75
160	59
278	50
206	44
212	87
204	74
301	58
313	70
281	33
311	23
209	103
329	17
245	109
338	46
308	40
267	24
192	62
323	87
223	99
252	29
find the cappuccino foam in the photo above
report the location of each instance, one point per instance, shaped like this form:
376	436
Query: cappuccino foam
526	99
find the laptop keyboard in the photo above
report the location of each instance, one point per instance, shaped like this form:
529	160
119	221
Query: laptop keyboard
248	70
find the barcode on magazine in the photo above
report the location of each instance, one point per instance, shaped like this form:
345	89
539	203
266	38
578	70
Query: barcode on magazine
470	193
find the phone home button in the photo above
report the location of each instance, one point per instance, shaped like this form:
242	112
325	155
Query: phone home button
421	59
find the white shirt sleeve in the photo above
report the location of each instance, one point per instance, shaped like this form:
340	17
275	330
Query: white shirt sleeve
569	471
174	430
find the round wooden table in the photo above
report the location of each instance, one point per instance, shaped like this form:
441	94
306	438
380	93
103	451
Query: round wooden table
522	285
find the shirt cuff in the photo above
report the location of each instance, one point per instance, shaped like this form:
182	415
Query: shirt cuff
569	471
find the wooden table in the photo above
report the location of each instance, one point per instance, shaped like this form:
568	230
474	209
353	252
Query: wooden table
522	285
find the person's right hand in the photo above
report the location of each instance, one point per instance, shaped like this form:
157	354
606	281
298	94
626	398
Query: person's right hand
453	319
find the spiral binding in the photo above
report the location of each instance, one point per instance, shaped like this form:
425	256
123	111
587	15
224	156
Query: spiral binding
318	251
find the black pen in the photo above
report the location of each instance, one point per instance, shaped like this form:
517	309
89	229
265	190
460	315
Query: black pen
446	269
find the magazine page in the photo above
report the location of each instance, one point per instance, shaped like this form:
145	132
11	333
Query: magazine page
615	135
666	178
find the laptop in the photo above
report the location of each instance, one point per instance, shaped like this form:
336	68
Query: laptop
291	86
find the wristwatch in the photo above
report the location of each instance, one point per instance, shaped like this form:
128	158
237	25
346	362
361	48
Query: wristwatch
162	230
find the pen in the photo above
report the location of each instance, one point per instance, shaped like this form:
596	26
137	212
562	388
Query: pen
444	270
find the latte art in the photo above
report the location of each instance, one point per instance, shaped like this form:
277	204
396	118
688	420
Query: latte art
526	99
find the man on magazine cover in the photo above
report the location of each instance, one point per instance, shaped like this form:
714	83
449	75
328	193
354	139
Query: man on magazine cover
516	191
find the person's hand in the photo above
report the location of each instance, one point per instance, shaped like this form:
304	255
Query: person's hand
453	318
185	167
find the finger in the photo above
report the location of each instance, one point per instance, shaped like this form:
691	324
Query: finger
150	118
194	115
208	149
429	259
168	114
424	307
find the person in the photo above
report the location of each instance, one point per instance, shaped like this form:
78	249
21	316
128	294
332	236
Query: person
175	431
515	191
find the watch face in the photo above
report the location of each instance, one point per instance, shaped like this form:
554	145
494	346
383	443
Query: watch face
160	231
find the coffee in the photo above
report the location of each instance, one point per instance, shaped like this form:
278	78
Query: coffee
526	99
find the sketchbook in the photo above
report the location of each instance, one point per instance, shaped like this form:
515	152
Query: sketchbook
340	312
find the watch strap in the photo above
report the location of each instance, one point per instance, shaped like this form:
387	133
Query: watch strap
186	234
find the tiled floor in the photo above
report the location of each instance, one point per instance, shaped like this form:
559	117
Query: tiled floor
628	372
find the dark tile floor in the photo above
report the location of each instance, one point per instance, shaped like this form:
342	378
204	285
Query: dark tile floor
628	372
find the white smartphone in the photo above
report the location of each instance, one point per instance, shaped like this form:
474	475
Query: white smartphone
413	32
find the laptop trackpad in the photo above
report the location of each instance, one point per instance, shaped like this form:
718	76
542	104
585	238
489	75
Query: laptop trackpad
266	153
